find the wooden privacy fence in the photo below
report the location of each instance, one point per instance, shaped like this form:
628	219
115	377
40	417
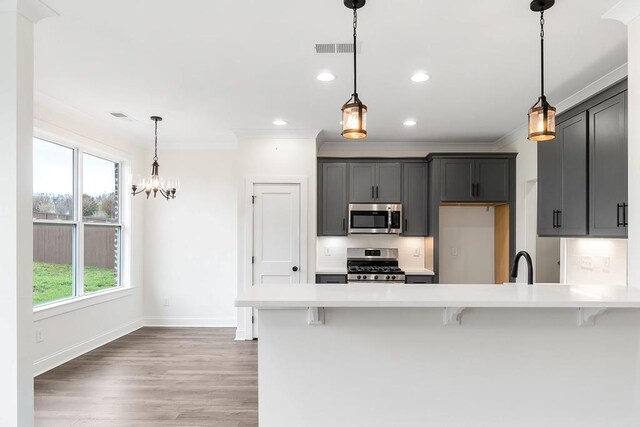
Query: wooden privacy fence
53	244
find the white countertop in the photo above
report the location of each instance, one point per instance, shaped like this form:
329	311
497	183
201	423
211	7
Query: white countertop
416	271
400	295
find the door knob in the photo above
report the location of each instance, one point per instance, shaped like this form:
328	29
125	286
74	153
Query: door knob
295	268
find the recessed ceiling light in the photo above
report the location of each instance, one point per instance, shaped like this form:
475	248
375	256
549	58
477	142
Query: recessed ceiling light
420	77
279	122
326	77
409	123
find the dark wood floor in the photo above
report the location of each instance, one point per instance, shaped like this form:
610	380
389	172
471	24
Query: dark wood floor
155	377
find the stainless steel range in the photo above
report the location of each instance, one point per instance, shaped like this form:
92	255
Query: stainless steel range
371	265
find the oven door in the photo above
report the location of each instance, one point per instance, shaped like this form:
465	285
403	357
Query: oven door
375	219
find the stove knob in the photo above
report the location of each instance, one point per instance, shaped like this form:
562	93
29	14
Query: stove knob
393	277
364	277
359	277
388	277
375	278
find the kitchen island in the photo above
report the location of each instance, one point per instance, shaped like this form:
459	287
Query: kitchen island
447	355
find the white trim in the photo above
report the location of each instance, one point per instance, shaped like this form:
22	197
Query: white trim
401	147
66	354
247	249
240	335
191	322
78	303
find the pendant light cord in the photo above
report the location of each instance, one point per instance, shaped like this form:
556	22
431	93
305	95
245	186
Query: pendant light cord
355	27
155	154
542	52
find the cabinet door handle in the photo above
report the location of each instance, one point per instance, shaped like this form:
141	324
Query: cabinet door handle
618	222
377	192
405	225
344	224
559	219
555	224
473	190
373	194
624	214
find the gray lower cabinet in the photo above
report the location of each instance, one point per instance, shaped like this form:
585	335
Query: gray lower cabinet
418	279
333	202
331	278
562	178
474	180
375	182
608	168
414	199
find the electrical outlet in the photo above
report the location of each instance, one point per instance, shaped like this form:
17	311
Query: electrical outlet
454	251
416	252
327	251
606	264
166	301
39	335
586	262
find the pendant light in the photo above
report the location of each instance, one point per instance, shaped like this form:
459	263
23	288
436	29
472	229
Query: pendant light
354	112
155	184
542	116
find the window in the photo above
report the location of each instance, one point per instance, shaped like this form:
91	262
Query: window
76	240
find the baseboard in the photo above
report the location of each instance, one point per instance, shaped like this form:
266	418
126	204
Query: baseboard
240	334
193	322
47	363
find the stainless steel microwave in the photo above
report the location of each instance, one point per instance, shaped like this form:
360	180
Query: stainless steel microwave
369	218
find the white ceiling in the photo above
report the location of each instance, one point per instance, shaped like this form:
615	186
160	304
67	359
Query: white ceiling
215	67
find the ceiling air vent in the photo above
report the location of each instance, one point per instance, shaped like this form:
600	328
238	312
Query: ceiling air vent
336	47
119	115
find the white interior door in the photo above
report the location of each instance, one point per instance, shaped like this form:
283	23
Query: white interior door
276	236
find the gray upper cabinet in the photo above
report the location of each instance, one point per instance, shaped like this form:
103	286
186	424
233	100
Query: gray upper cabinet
362	178
414	199
474	180
492	180
562	177
608	168
333	202
582	173
375	182
456	180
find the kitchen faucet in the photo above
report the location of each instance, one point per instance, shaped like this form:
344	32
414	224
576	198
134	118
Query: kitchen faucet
527	257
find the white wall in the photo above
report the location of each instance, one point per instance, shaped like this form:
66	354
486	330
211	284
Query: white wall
467	244
77	327
191	242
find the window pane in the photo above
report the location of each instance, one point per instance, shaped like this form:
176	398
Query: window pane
101	258
100	180
52	181
52	262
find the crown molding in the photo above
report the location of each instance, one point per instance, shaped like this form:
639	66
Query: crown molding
624	11
276	134
33	10
401	147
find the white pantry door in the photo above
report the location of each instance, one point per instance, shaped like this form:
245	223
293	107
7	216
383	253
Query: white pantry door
276	236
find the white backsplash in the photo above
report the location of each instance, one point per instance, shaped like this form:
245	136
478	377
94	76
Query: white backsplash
332	250
599	261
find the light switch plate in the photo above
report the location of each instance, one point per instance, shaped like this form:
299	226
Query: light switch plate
586	262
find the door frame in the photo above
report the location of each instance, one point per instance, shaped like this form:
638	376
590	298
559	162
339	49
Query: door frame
245	313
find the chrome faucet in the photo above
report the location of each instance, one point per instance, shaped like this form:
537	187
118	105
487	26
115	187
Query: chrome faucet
527	257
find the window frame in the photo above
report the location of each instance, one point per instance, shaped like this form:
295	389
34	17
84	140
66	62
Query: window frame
81	145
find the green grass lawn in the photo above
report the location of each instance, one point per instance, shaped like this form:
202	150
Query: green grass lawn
52	282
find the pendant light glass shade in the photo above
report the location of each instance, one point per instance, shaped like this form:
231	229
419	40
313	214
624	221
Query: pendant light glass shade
542	121
354	120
